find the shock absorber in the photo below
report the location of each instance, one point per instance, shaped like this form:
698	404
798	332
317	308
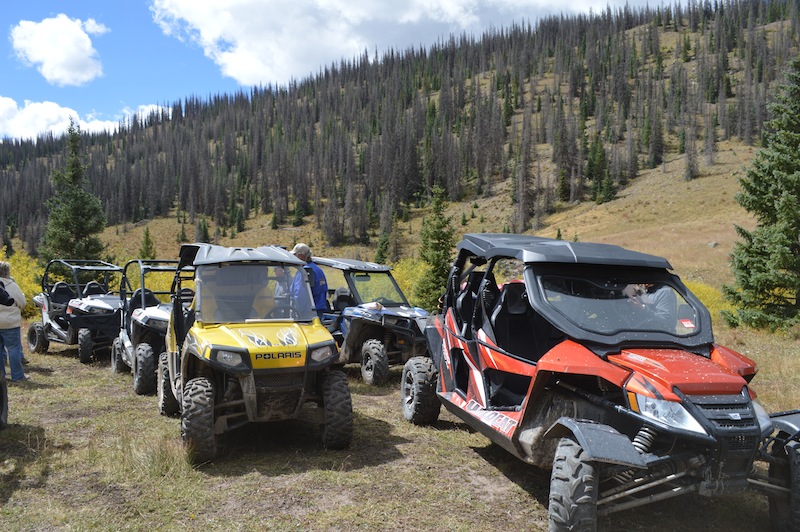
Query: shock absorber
642	442
644	439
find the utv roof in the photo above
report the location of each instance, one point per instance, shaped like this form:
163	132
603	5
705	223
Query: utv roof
352	265
533	249
153	265
200	253
86	264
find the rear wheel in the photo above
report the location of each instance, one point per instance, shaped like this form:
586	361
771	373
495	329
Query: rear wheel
117	364
338	405
784	509
85	345
573	489
167	404
197	420
374	362
144	370
37	339
418	391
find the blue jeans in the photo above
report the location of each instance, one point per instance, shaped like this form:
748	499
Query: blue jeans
10	342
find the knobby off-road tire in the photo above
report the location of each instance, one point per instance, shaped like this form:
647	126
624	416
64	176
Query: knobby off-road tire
167	404
3	403
85	345
197	420
117	364
337	433
37	339
420	404
573	489
374	362
784	509
144	370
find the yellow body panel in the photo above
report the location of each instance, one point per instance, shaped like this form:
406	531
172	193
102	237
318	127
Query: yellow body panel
271	345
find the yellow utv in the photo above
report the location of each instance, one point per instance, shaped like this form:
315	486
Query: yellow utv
244	344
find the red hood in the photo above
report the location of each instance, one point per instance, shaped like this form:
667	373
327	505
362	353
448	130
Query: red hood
667	368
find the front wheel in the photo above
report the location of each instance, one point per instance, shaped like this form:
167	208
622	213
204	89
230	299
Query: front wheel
573	489
37	338
784	508
197	420
85	345
418	391
144	370
117	364
338	405
167	404
374	362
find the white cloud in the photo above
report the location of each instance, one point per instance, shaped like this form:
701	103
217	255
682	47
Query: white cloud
60	48
36	118
259	42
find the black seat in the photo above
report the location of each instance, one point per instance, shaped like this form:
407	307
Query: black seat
61	293
342	299
465	302
512	322
150	300
93	288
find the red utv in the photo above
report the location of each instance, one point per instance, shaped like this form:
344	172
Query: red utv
598	363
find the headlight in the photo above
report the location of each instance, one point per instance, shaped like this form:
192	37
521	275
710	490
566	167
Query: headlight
159	325
321	353
229	358
667	412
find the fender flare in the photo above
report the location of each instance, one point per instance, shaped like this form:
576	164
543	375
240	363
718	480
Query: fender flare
787	422
601	443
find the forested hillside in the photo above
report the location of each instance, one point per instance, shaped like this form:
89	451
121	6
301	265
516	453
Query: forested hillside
568	108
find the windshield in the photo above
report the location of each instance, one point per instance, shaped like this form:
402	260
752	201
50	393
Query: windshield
238	292
378	286
604	306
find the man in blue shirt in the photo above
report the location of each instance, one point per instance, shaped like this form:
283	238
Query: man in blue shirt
319	285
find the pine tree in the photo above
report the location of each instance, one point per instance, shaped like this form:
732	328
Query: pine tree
766	262
76	215
437	240
148	250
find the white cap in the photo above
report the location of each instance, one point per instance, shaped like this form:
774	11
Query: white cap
301	249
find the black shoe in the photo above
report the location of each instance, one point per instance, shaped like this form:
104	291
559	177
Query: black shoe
25	361
24	378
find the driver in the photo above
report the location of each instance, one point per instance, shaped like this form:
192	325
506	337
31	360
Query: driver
658	301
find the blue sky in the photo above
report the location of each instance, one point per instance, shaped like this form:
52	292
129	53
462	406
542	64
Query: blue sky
100	61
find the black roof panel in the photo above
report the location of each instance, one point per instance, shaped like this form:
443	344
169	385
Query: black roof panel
532	249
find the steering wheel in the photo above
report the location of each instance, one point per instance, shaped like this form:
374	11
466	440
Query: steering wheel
385	301
283	311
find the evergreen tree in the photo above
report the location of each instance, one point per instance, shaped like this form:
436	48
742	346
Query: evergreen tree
76	215
766	262
148	250
437	239
383	248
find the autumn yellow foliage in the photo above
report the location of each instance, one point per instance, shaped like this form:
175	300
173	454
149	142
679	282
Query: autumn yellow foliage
27	273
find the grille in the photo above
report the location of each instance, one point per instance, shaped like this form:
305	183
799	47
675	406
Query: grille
279	380
741	443
731	415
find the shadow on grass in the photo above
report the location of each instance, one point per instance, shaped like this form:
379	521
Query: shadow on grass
26	454
291	447
358	386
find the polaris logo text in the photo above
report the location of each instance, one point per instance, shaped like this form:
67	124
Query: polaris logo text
277	356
